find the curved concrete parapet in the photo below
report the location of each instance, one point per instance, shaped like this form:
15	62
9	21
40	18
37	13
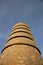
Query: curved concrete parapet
21	48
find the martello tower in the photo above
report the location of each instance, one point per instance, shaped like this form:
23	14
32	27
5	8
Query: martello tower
20	48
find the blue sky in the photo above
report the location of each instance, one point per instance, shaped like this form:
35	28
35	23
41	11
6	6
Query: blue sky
27	11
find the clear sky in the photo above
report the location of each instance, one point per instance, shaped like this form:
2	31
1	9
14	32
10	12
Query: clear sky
27	11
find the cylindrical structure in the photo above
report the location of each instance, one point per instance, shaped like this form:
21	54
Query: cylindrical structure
21	48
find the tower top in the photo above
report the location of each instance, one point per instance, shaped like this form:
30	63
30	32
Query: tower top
21	24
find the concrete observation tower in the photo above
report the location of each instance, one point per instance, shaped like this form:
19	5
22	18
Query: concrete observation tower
21	48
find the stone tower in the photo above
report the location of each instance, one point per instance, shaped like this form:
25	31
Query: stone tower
20	48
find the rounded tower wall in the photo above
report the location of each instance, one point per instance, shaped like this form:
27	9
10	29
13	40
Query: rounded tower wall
21	48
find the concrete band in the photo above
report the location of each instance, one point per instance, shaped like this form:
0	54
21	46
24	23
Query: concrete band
21	25
20	37
21	28
21	44
20	31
